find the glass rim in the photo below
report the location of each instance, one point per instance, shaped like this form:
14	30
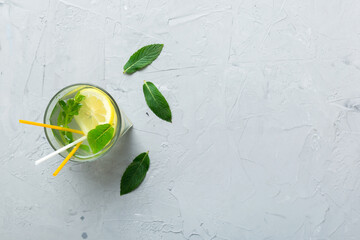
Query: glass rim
117	130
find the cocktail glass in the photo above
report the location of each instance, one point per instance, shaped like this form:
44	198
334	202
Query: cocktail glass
120	123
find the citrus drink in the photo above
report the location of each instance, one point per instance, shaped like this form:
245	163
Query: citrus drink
95	107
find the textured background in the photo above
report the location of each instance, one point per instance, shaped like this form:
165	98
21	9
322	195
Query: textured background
265	137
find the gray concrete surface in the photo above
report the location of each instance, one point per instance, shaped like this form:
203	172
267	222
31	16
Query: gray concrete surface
265	140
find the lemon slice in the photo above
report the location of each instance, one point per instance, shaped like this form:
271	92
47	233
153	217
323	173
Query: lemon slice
96	109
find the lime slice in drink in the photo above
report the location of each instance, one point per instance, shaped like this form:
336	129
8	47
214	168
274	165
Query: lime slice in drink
96	109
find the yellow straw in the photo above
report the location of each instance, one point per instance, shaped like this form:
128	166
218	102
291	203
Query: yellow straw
51	126
67	159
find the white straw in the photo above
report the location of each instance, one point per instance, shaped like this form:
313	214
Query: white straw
60	150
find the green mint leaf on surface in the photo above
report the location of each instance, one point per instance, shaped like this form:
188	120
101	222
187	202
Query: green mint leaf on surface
100	136
143	57
135	173
156	101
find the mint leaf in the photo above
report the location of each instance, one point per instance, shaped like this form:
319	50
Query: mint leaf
100	136
62	104
85	148
68	109
78	97
69	137
156	101
135	173
143	57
